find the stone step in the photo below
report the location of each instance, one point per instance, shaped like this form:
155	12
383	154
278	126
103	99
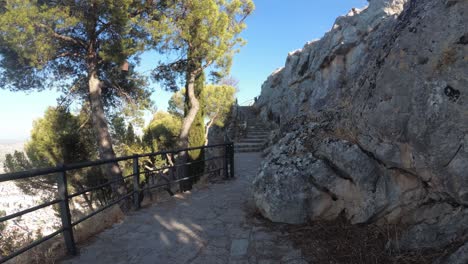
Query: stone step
252	140
247	150
247	145
264	137
257	133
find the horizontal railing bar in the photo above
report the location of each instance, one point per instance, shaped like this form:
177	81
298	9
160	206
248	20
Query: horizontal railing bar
102	208
30	246
176	181
179	165
28	174
146	170
198	161
29	210
76	166
180	150
100	186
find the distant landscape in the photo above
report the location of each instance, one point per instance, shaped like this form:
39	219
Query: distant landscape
9	146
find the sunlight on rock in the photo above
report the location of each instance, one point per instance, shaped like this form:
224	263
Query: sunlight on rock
164	238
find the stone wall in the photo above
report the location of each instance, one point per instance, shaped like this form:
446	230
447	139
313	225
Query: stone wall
375	123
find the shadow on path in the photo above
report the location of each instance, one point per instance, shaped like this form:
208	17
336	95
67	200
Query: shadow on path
210	225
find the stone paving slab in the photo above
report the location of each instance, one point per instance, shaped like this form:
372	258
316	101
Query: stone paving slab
207	226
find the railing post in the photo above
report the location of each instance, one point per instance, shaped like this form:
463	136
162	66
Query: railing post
226	161
232	159
173	168
65	215
136	183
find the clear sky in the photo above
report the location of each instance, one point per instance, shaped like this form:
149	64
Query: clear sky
276	28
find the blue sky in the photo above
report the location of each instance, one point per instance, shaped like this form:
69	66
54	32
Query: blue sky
276	28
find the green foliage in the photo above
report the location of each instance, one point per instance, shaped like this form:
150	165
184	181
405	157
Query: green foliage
215	100
119	131
130	139
49	43
176	104
58	138
55	139
218	102
126	141
197	130
79	46
17	162
206	33
162	132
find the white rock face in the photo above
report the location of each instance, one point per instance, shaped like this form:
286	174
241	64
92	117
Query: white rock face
321	67
374	123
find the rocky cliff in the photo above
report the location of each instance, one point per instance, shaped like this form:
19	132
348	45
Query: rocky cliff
374	124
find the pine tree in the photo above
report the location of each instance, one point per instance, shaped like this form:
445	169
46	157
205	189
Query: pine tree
57	138
130	136
206	32
79	46
218	101
197	132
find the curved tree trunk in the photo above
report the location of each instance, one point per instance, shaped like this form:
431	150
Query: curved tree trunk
185	129
101	130
192	112
208	126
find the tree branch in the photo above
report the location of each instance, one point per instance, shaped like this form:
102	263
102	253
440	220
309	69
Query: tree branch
61	37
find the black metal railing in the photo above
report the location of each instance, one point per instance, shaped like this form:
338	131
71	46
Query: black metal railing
63	197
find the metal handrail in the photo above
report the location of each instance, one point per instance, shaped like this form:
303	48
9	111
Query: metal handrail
76	166
64	197
249	102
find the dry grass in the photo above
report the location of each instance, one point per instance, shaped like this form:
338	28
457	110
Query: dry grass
97	223
339	242
53	250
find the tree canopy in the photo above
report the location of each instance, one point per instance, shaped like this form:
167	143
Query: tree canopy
79	47
218	101
205	33
57	138
88	50
162	132
53	44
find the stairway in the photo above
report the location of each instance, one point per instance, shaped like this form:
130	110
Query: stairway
256	133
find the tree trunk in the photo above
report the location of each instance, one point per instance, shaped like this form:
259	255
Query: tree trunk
185	129
192	112
208	126
103	137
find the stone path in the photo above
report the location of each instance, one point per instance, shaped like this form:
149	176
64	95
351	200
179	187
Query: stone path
207	226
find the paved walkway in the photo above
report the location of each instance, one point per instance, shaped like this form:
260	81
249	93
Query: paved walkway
211	225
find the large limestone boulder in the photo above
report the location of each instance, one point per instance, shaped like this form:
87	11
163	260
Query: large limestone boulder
375	123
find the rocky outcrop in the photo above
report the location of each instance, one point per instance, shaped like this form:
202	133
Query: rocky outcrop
375	123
